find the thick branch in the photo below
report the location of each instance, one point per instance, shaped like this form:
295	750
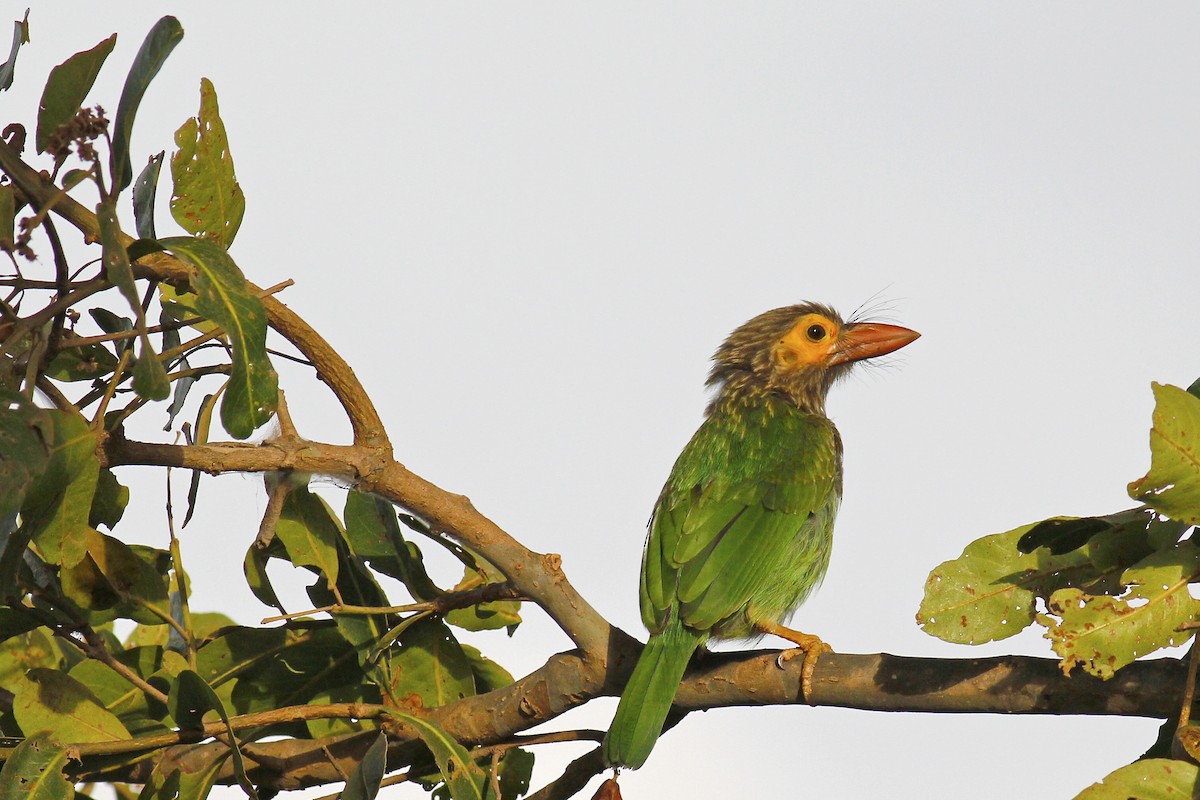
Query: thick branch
534	575
877	682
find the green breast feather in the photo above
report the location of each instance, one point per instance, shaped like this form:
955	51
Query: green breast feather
742	530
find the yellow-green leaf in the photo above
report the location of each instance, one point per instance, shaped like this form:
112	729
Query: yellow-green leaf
58	503
988	592
49	700
34	771
1172	486
1103	633
1151	779
207	199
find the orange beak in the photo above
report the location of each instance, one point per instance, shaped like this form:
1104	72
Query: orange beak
864	340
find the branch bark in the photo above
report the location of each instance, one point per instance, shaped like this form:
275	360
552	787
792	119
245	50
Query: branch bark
868	682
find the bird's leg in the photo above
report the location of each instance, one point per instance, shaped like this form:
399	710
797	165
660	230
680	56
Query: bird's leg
810	645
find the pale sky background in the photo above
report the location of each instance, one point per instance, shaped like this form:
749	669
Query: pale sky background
528	225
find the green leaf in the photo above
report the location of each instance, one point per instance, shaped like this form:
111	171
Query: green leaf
309	531
58	503
144	190
988	592
1172	486
363	782
183	384
190	697
1151	779
516	770
23	652
34	771
183	779
149	375
484	616
109	322
46	699
254	566
355	586
129	703
430	667
24	451
373	533
488	674
1103	633
85	363
67	88
15	621
1064	534
201	431
207	199
115	575
116	260
20	37
464	778
266	668
109	502
339	726
159	43
223	297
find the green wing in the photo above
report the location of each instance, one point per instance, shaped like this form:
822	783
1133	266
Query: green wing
745	520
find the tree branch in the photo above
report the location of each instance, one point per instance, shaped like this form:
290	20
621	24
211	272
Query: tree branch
875	682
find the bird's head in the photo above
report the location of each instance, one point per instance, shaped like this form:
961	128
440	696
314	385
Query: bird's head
800	351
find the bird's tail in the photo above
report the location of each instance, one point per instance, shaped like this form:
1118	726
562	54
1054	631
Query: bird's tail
648	695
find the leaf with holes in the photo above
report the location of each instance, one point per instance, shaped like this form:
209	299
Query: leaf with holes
34	771
207	199
223	296
1158	778
1172	486
1103	633
988	592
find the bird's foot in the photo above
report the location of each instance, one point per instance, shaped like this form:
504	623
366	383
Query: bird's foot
808	645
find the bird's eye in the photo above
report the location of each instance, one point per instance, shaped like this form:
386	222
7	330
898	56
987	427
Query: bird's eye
815	333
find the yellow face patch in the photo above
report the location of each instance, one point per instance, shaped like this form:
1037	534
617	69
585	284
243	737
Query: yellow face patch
809	342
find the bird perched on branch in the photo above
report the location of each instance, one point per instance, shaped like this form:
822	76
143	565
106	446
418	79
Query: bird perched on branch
742	531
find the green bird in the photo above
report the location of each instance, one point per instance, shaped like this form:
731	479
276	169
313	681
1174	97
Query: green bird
742	531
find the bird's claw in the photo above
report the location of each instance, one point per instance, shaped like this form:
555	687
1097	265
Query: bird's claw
811	650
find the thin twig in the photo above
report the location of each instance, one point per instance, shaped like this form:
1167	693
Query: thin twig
486	593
